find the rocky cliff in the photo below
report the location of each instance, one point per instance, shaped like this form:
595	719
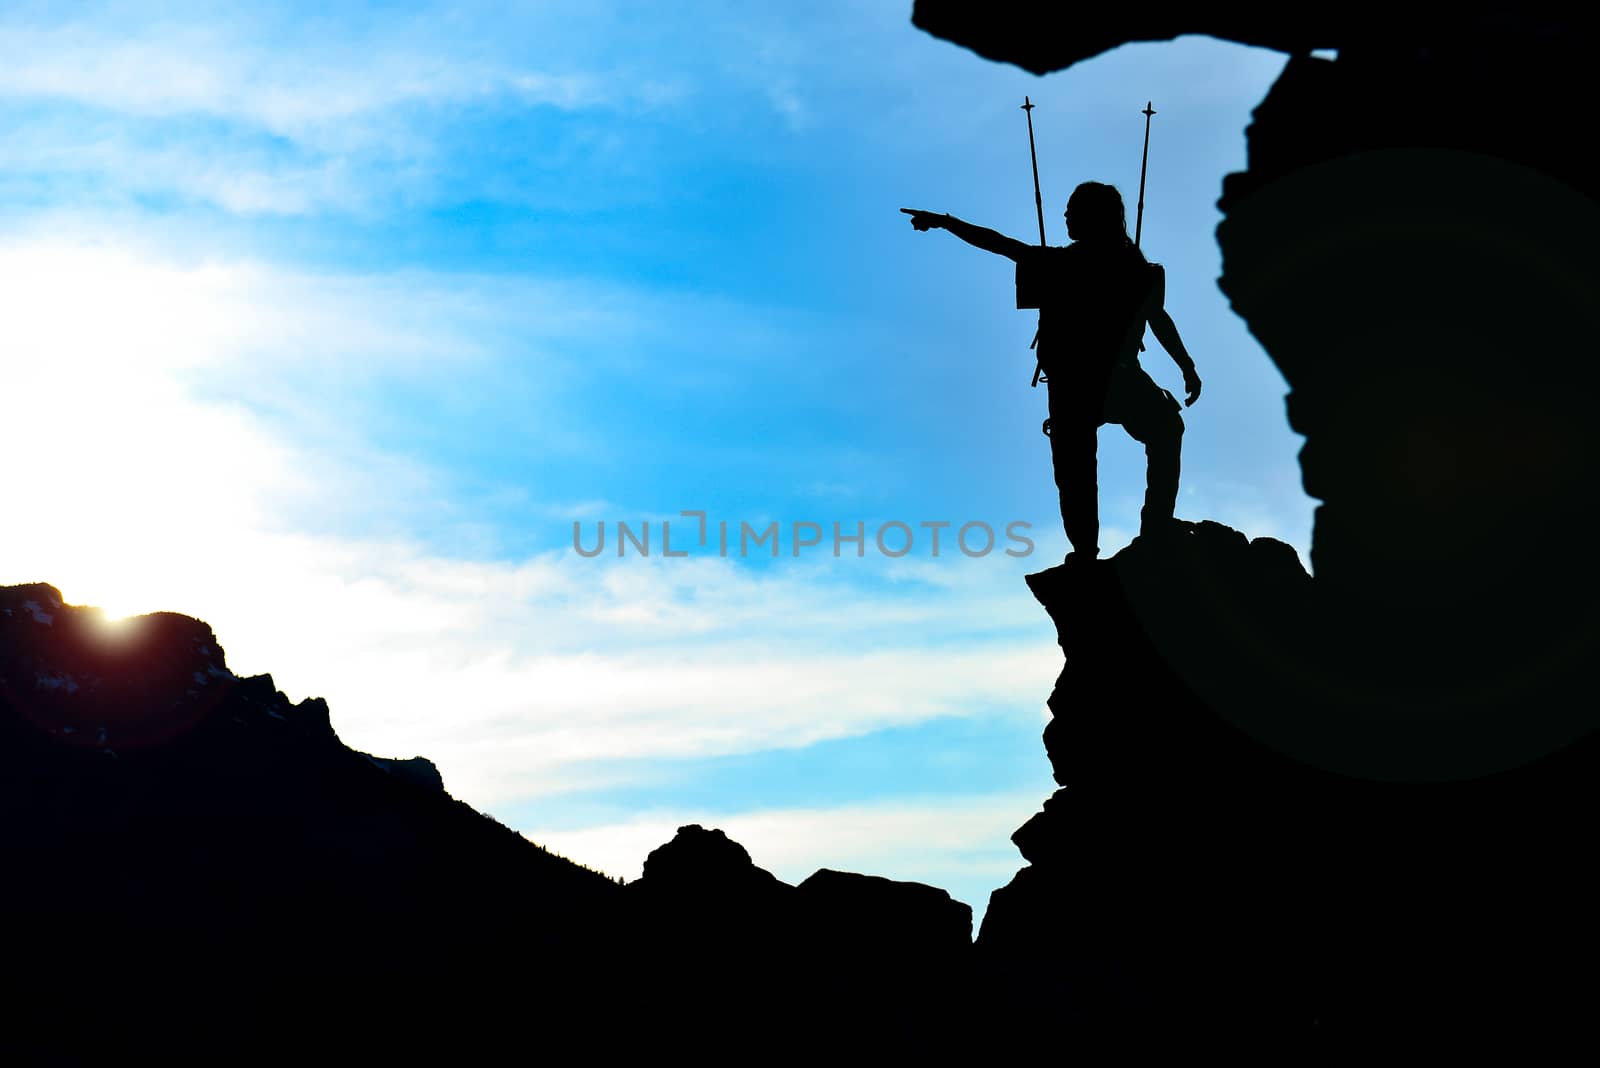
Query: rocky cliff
1199	882
1341	818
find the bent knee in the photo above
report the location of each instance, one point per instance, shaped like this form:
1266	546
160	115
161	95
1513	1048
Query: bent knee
1159	430
1171	418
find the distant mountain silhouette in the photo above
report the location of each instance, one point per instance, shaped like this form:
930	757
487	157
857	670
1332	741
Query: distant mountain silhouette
198	869
196	866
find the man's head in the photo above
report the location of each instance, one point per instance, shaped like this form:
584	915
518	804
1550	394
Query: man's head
1095	213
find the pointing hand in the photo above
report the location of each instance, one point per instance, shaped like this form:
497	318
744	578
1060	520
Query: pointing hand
924	220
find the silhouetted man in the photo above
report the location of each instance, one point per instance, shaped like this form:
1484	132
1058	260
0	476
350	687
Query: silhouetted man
1094	298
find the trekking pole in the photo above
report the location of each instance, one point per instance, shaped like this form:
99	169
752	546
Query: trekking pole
1038	207
1144	164
1033	157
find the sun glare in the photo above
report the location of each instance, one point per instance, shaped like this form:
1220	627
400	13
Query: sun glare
113	602
116	618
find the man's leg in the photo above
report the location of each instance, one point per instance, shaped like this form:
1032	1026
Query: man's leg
1072	451
1152	417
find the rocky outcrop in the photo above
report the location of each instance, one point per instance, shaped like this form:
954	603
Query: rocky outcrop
860	963
698	861
1412	274
419	771
1010	32
706	875
1016	33
882	918
704	920
1200	882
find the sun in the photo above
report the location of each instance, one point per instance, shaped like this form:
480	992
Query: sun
113	607
115	620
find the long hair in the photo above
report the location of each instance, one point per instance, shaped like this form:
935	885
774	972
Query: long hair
1096	215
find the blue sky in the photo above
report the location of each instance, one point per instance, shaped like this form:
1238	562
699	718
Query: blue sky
330	325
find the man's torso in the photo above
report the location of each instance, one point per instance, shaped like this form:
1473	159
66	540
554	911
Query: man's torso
1092	307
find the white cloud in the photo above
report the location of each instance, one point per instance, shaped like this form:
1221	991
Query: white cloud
264	113
136	494
311	92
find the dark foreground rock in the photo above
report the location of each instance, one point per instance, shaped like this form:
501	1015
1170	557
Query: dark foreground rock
1341	820
843	965
1200	883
